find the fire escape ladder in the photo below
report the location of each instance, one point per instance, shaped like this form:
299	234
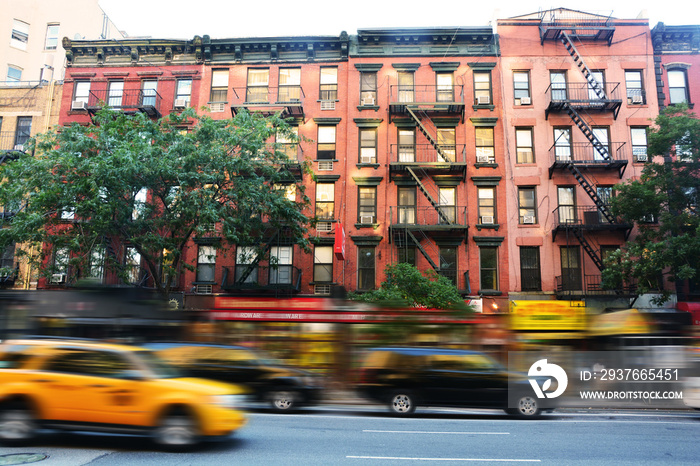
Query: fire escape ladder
422	250
424	130
589	249
578	59
602	207
250	267
433	202
588	132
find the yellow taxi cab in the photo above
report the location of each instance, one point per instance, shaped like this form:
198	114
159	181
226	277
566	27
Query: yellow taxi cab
90	385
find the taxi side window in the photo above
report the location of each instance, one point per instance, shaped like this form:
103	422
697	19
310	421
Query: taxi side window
89	362
14	357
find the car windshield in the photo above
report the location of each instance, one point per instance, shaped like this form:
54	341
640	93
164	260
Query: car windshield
159	368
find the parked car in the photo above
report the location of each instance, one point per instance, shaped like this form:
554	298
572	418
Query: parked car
88	385
285	388
405	378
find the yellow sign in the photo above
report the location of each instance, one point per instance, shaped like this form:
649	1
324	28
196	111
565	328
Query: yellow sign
547	315
627	322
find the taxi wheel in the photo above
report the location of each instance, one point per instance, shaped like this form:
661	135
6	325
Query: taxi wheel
177	431
283	400
17	424
527	408
402	403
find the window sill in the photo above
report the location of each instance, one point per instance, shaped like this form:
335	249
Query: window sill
325	160
528	225
490	293
373	226
486	165
368	107
367	165
487	226
484	107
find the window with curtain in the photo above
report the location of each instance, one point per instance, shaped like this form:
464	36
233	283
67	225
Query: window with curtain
289	85
258	79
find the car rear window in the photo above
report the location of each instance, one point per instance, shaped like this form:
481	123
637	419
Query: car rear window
14	356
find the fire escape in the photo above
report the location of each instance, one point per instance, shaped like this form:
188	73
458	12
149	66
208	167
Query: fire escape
583	160
422	162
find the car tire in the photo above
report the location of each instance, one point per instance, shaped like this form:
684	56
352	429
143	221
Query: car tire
177	431
527	408
17	424
402	403
283	401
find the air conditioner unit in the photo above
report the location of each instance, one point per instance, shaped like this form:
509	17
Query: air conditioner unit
482	158
217	107
19	147
324	227
328	105
58	278
525	101
641	157
487	220
483	100
180	103
368	102
366	219
367	159
637	99
528	219
325	165
78	105
203	289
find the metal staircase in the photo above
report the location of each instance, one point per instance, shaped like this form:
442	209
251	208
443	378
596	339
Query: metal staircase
443	218
592	253
427	134
593	83
251	267
588	132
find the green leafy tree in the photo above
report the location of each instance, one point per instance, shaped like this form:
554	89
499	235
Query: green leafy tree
663	205
81	189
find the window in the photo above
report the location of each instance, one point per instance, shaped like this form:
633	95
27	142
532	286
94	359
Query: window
639	144
290	85
7	258
115	93
557	80
96	266
20	34
447	143
448	263
407	255
219	86
183	91
445	87
290	191
602	134
485	151
281	265
482	88
530	277
605	194
14	74
562	144
326	143
51	41
149	93
447	197
61	257
487	205
527	205
488	268
407	145
323	264
365	268
635	91
597	92
68	213
368	145
245	258
677	87
521	87
329	83
325	201
406	86
288	144
81	91
407	205
368	88
23	131
367	204
140	198
258	82
524	146
570	268
132	265
567	204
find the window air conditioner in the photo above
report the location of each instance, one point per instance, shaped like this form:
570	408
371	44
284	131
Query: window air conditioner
525	101
367	159
483	100
641	157
325	165
482	158
365	219
58	278
324	227
203	289
19	147
487	220
637	99
180	103
78	105
327	105
367	102
528	219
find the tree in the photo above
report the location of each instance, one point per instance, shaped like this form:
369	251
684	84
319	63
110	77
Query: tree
663	205
152	185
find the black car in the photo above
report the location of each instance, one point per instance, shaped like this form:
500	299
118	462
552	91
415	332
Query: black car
284	387
405	378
